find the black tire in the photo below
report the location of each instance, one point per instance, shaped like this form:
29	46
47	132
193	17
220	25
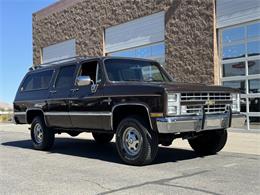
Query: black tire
210	142
73	133
146	141
45	139
103	138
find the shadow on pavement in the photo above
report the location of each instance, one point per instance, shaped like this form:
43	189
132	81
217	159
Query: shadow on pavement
107	152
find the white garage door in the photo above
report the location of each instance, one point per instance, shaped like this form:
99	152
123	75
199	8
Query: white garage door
230	12
65	49
143	31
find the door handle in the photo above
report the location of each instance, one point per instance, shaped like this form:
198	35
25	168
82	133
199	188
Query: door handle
53	91
74	90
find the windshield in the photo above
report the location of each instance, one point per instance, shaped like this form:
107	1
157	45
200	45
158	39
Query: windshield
134	70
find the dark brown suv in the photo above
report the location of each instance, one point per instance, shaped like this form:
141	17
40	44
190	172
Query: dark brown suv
133	98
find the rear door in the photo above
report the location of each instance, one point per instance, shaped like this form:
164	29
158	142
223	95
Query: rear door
58	101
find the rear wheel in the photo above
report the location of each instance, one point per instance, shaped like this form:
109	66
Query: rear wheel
103	138
136	143
210	142
42	136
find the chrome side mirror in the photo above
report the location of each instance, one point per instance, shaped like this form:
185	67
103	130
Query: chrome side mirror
83	80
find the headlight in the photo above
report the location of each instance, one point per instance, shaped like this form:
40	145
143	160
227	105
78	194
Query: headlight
173	106
235	102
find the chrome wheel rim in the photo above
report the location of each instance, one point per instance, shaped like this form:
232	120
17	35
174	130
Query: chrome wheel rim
38	133
132	141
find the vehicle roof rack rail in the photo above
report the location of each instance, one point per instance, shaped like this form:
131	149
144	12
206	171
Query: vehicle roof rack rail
75	58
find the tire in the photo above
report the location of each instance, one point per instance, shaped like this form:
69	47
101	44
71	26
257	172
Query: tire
136	143
73	133
210	142
103	138
42	137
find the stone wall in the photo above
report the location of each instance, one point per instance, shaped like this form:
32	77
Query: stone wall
188	37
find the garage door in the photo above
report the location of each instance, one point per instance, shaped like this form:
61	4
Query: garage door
143	31
230	12
59	51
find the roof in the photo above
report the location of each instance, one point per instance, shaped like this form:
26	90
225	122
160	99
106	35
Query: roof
78	59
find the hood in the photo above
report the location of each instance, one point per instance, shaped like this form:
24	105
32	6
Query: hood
189	87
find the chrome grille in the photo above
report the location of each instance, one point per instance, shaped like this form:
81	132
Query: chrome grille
194	101
205	96
208	109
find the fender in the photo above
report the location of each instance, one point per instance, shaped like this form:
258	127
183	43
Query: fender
132	104
35	109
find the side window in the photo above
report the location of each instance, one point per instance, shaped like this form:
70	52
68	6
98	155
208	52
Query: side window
92	70
38	80
65	77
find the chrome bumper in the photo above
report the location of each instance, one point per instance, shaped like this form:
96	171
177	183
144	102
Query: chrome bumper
199	123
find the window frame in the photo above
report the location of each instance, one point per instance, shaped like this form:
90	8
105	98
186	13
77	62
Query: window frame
99	66
31	74
160	67
54	86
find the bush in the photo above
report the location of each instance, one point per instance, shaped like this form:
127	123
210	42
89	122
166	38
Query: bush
5	117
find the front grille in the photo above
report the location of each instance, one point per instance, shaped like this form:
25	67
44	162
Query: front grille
208	109
193	102
205	96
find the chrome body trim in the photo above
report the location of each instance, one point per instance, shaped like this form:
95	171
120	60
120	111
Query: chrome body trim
78	113
131	104
19	113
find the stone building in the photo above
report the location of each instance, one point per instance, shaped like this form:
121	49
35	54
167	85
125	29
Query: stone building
202	41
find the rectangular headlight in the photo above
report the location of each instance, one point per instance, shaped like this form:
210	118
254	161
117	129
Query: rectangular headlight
173	104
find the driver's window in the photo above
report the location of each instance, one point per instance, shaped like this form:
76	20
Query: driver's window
92	70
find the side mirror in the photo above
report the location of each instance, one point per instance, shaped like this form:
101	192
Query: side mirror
83	80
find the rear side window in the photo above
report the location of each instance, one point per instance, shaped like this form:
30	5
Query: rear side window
38	80
65	77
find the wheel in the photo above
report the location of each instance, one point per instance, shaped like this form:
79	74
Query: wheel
73	133
210	142
103	138
42	137
136	143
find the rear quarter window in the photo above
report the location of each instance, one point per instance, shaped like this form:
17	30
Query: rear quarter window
38	80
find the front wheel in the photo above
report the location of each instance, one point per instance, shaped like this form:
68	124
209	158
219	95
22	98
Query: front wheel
136	143
42	136
209	142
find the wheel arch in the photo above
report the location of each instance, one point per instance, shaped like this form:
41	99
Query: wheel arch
32	113
122	110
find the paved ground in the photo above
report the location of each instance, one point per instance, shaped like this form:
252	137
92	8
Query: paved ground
80	166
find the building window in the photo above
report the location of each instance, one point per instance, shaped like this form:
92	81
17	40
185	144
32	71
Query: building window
152	51
240	65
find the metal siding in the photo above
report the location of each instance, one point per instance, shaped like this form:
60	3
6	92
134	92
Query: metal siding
230	12
58	51
142	31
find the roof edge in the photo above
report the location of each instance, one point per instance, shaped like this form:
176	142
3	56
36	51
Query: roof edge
58	6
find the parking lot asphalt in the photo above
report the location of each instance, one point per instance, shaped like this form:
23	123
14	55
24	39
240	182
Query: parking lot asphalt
80	166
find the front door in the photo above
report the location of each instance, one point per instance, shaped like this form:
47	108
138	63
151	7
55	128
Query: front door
87	102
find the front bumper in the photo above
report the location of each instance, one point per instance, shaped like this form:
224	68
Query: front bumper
199	123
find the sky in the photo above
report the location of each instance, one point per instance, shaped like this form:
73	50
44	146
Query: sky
16	43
